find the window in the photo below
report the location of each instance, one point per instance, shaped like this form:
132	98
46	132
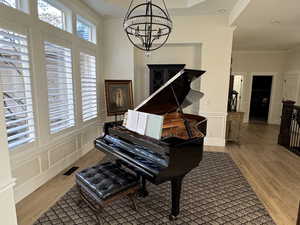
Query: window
54	13
16	86
17	4
60	87
86	30
88	86
11	3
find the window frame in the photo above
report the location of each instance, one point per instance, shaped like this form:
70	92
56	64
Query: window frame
93	33
67	15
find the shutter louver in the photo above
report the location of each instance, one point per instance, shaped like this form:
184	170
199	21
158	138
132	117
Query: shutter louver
88	86
16	86
60	87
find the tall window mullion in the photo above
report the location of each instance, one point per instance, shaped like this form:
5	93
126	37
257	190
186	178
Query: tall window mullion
60	87
15	79
88	86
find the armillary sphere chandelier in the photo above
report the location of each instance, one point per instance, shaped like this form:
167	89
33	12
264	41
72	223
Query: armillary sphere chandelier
147	25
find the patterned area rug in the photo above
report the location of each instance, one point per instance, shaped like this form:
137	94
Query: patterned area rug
214	193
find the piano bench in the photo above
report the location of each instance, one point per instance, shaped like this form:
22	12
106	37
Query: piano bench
101	184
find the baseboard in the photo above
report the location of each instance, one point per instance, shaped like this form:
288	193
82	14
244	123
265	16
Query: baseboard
274	122
214	141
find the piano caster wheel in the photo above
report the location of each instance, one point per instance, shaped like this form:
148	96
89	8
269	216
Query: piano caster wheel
143	193
172	218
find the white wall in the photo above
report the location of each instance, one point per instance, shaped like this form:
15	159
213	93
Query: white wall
215	37
250	63
291	85
34	164
118	54
293	60
256	61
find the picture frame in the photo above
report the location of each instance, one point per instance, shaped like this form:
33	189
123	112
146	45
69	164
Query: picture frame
119	97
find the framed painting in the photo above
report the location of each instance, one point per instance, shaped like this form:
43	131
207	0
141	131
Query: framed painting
118	96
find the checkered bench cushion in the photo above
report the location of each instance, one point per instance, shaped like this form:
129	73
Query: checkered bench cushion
105	180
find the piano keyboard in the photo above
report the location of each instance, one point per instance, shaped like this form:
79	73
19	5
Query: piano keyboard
150	161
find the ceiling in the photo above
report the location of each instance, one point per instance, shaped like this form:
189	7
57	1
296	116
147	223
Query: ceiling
118	8
268	25
264	25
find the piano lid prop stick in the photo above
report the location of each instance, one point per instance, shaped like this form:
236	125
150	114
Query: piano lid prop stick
186	123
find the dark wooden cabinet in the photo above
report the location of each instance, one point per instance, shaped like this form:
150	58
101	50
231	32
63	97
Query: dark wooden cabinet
161	73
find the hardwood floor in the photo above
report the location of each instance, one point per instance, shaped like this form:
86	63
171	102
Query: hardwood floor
272	171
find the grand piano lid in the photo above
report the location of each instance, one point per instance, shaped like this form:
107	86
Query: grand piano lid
163	101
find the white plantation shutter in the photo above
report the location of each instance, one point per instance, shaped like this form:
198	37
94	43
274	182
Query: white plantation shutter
88	86
60	87
15	79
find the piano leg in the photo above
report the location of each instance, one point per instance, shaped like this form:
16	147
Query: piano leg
143	191
176	191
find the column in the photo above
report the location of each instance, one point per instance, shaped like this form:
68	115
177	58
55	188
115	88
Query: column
7	203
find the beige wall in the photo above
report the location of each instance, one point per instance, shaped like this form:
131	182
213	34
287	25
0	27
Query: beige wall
215	37
34	164
247	64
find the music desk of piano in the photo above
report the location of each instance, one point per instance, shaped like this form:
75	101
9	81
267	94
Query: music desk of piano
180	148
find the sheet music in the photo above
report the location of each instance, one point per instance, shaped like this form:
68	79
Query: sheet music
142	123
154	126
145	123
132	120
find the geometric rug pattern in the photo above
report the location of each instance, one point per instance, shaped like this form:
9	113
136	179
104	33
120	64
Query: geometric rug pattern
214	193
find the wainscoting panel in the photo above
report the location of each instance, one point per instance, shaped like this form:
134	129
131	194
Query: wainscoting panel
47	161
26	171
44	160
60	152
216	128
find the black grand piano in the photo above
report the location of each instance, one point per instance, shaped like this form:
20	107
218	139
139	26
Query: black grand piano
180	148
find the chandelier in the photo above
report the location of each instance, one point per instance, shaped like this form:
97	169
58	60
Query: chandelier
147	25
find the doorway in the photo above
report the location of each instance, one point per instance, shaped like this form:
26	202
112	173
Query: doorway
260	98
